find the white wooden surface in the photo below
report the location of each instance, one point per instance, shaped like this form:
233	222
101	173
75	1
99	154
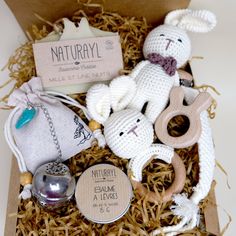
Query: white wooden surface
217	68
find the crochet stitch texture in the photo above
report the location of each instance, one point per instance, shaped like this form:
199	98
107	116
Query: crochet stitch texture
149	83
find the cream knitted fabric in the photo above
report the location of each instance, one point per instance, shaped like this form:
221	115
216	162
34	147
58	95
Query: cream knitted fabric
159	151
206	153
168	40
200	21
189	218
153	84
128	133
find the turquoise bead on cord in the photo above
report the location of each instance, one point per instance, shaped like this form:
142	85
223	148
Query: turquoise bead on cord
27	115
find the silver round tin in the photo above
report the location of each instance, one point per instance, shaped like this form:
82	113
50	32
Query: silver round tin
103	193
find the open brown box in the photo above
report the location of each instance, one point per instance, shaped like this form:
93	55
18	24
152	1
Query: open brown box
153	10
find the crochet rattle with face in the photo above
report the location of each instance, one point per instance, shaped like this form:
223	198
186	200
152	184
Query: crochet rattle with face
129	134
166	49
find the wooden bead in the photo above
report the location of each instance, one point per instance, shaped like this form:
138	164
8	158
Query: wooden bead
94	125
26	178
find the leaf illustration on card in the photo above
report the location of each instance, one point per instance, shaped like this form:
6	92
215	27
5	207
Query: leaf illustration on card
80	132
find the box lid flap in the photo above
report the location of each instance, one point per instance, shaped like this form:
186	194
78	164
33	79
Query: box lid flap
153	10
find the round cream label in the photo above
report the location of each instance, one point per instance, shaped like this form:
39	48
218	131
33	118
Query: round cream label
103	193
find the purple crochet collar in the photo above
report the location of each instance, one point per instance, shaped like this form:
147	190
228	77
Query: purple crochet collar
167	63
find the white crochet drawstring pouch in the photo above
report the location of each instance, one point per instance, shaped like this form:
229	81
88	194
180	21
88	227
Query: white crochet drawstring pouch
41	129
166	49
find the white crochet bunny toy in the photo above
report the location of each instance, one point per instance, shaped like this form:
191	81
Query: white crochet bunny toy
129	134
166	49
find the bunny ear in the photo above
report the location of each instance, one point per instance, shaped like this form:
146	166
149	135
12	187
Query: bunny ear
174	17
122	91
200	21
98	102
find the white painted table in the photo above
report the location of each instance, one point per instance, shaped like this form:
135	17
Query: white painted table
218	69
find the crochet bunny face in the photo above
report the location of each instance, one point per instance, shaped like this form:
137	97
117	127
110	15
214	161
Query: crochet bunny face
128	132
168	41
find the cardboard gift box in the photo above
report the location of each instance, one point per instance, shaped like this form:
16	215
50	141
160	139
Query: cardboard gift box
153	10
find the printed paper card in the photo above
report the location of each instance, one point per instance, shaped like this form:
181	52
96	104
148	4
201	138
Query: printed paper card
73	62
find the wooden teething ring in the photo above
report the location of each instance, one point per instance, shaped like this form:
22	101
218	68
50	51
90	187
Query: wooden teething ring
192	112
176	186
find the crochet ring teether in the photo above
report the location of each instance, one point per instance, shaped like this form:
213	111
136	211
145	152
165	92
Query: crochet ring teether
192	112
176	186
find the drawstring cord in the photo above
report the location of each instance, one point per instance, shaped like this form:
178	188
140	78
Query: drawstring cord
26	193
